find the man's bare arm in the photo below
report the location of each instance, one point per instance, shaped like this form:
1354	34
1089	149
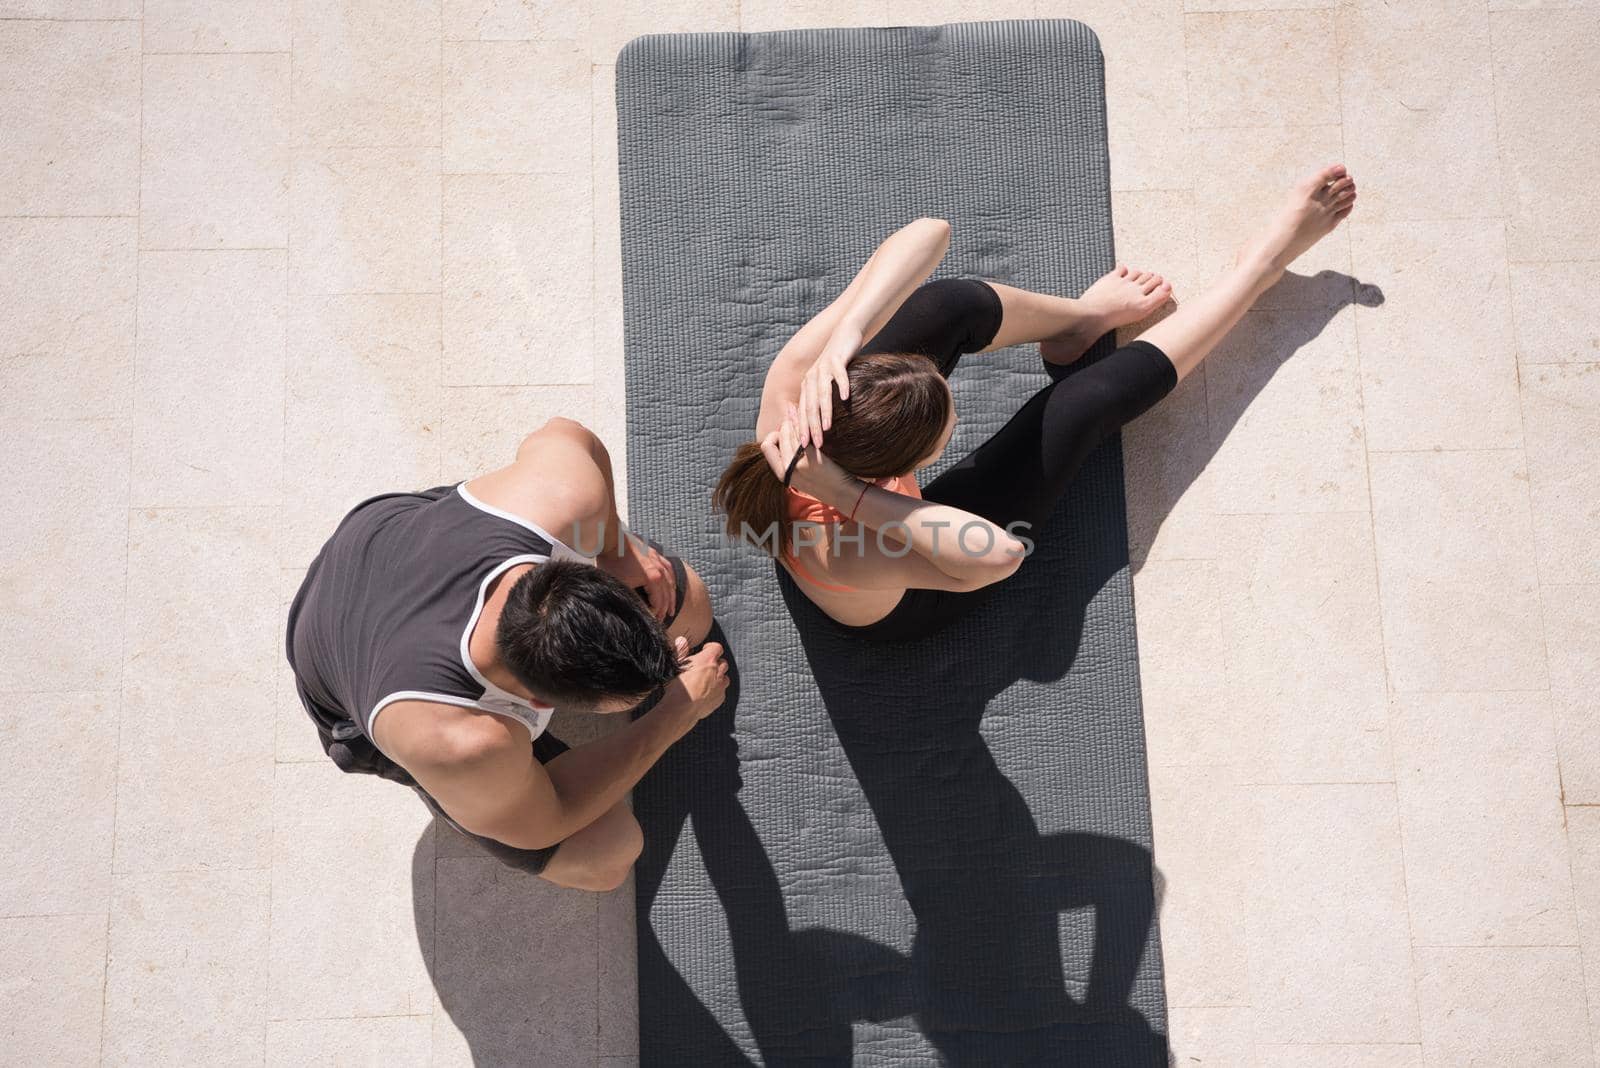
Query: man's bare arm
479	767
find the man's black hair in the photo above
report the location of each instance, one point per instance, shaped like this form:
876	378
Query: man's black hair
575	635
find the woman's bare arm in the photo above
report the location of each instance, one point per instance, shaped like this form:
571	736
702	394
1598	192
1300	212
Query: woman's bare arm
895	268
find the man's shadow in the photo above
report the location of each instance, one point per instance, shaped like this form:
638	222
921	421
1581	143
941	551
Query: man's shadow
1028	945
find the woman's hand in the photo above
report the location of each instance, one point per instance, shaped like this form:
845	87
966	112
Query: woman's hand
815	474
816	388
641	565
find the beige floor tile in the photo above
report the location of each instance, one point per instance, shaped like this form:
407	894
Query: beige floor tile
1250	69
1318	736
1257	5
1155	230
1446	378
60	791
352	896
1418	100
483	425
1206	836
194	780
935	12
69	118
1214	1036
208	380
367	72
515	969
1509	1007
1240	178
761	16
69	9
66	317
1549	147
363	412
50	1004
1330	955
1561	418
1397	1055
1583	838
1146	87
515	20
489	125
1456	573
216	152
1166	455
372	1042
1299	604
518	251
206	26
1572	634
184	981
185	623
1480	803
67	530
365	221
1556	311
619	971
1572	627
613	25
1284	409
1189	718
295	736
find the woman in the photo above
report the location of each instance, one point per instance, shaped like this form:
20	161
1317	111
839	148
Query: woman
829	487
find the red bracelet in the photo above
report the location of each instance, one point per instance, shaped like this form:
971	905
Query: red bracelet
864	487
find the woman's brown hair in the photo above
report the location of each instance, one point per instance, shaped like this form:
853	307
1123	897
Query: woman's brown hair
896	414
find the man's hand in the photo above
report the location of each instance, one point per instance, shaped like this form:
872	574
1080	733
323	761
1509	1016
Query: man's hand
641	565
703	682
816	388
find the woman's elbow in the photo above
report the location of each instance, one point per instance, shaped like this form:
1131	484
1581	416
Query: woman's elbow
996	564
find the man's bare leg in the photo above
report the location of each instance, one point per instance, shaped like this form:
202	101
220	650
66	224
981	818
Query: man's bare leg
1317	203
599	856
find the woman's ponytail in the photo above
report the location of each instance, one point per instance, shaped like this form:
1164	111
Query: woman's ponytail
753	499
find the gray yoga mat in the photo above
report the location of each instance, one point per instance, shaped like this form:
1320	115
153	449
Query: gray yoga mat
915	853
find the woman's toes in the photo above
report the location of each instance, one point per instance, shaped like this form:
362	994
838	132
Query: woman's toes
1342	184
1122	270
1151	284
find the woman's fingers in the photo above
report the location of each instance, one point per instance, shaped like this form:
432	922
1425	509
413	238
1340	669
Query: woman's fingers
824	395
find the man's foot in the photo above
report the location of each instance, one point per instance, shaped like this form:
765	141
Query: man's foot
1123	296
1318	202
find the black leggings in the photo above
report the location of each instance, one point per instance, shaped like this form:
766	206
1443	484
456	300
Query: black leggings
1019	474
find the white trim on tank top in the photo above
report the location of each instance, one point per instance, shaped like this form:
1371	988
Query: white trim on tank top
559	549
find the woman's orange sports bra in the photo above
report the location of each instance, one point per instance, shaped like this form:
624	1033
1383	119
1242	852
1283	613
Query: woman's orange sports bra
805	508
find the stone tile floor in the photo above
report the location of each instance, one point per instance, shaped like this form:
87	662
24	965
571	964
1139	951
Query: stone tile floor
259	259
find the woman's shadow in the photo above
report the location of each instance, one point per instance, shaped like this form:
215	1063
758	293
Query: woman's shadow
1029	945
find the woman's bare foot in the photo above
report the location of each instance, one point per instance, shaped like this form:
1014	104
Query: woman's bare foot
1318	202
1124	295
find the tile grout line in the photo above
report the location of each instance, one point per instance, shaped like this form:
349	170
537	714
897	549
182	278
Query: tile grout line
277	548
1538	581
1341	28
127	558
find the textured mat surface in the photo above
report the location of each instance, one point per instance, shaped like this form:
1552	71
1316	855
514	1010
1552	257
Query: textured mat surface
932	852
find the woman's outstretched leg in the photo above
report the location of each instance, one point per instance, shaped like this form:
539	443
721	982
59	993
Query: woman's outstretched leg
1020	472
1317	204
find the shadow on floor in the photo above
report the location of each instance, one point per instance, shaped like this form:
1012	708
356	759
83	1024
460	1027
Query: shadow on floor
1301	309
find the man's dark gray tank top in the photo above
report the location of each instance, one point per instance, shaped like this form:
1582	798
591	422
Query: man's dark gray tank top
387	606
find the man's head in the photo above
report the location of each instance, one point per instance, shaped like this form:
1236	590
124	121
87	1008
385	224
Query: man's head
578	637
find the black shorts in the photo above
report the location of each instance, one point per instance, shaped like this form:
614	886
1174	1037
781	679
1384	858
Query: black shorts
546	747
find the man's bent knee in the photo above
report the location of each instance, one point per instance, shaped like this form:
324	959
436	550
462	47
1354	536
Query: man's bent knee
600	856
694	619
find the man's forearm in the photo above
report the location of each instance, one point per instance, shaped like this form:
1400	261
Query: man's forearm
592	778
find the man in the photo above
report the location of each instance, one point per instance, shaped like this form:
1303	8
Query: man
436	631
